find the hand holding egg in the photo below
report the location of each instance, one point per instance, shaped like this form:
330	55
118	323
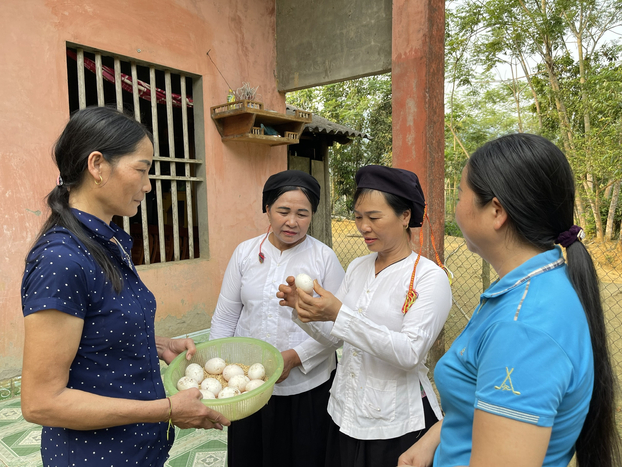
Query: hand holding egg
323	308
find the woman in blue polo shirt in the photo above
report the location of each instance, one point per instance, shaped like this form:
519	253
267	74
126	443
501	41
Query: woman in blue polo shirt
529	381
90	373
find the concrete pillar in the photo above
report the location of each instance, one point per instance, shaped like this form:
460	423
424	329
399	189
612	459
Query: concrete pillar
418	112
418	106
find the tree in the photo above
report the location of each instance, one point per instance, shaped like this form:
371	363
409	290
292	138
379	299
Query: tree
363	105
570	72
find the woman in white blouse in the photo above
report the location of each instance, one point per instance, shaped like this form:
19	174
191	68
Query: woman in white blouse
291	428
387	314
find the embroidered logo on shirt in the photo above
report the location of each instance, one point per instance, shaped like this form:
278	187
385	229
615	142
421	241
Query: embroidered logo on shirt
504	386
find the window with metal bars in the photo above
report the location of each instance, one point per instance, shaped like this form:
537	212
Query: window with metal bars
166	227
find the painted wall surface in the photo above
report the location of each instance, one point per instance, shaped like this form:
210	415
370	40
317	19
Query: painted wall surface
34	108
320	42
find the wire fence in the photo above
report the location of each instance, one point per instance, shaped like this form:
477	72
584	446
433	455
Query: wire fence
472	276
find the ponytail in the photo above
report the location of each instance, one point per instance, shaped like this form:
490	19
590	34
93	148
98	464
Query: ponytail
598	444
62	216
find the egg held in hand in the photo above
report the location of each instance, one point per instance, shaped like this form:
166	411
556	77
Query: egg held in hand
304	282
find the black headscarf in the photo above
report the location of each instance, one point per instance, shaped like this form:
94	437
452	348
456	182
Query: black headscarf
398	182
296	178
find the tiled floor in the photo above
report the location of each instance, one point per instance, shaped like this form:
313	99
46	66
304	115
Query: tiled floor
20	441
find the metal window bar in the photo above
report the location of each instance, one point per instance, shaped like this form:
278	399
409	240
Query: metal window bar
101	100
184	119
81	83
171	146
158	177
156	144
118	89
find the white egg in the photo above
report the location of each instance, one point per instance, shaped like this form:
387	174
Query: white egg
256	371
230	371
195	371
304	282
186	383
239	382
214	366
207	394
212	385
228	392
254	384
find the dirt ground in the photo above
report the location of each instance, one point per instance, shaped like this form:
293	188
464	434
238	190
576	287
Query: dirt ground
469	277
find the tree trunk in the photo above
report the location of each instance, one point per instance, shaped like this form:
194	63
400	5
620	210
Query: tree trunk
533	90
613	204
594	201
580	210
515	88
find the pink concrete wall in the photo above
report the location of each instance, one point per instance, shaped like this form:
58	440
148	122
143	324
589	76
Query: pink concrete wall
34	109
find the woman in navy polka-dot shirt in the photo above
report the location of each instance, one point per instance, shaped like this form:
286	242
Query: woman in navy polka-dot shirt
91	374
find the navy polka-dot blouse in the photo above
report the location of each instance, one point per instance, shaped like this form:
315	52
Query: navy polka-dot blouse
117	356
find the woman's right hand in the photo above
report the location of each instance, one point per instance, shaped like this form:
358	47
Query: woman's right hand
421	454
418	455
189	412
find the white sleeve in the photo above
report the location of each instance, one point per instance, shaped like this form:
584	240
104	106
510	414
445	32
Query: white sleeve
229	305
317	349
405	348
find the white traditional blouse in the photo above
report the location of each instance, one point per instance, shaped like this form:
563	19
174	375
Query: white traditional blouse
377	389
248	307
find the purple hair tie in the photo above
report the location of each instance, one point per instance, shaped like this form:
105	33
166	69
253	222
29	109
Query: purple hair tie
570	236
59	181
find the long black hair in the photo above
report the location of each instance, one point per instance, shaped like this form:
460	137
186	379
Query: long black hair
534	183
102	129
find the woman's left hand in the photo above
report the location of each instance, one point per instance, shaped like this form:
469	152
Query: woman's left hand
287	293
323	308
290	360
168	348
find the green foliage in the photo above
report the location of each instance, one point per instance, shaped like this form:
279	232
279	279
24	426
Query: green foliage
452	229
363	105
565	78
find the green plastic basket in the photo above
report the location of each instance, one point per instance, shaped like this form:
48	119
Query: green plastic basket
243	350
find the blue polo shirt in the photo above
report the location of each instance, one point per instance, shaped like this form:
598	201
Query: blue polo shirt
525	354
117	355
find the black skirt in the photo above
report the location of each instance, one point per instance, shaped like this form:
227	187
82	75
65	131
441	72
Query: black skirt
344	451
290	431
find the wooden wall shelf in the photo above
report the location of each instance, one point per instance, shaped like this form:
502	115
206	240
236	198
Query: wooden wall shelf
241	121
